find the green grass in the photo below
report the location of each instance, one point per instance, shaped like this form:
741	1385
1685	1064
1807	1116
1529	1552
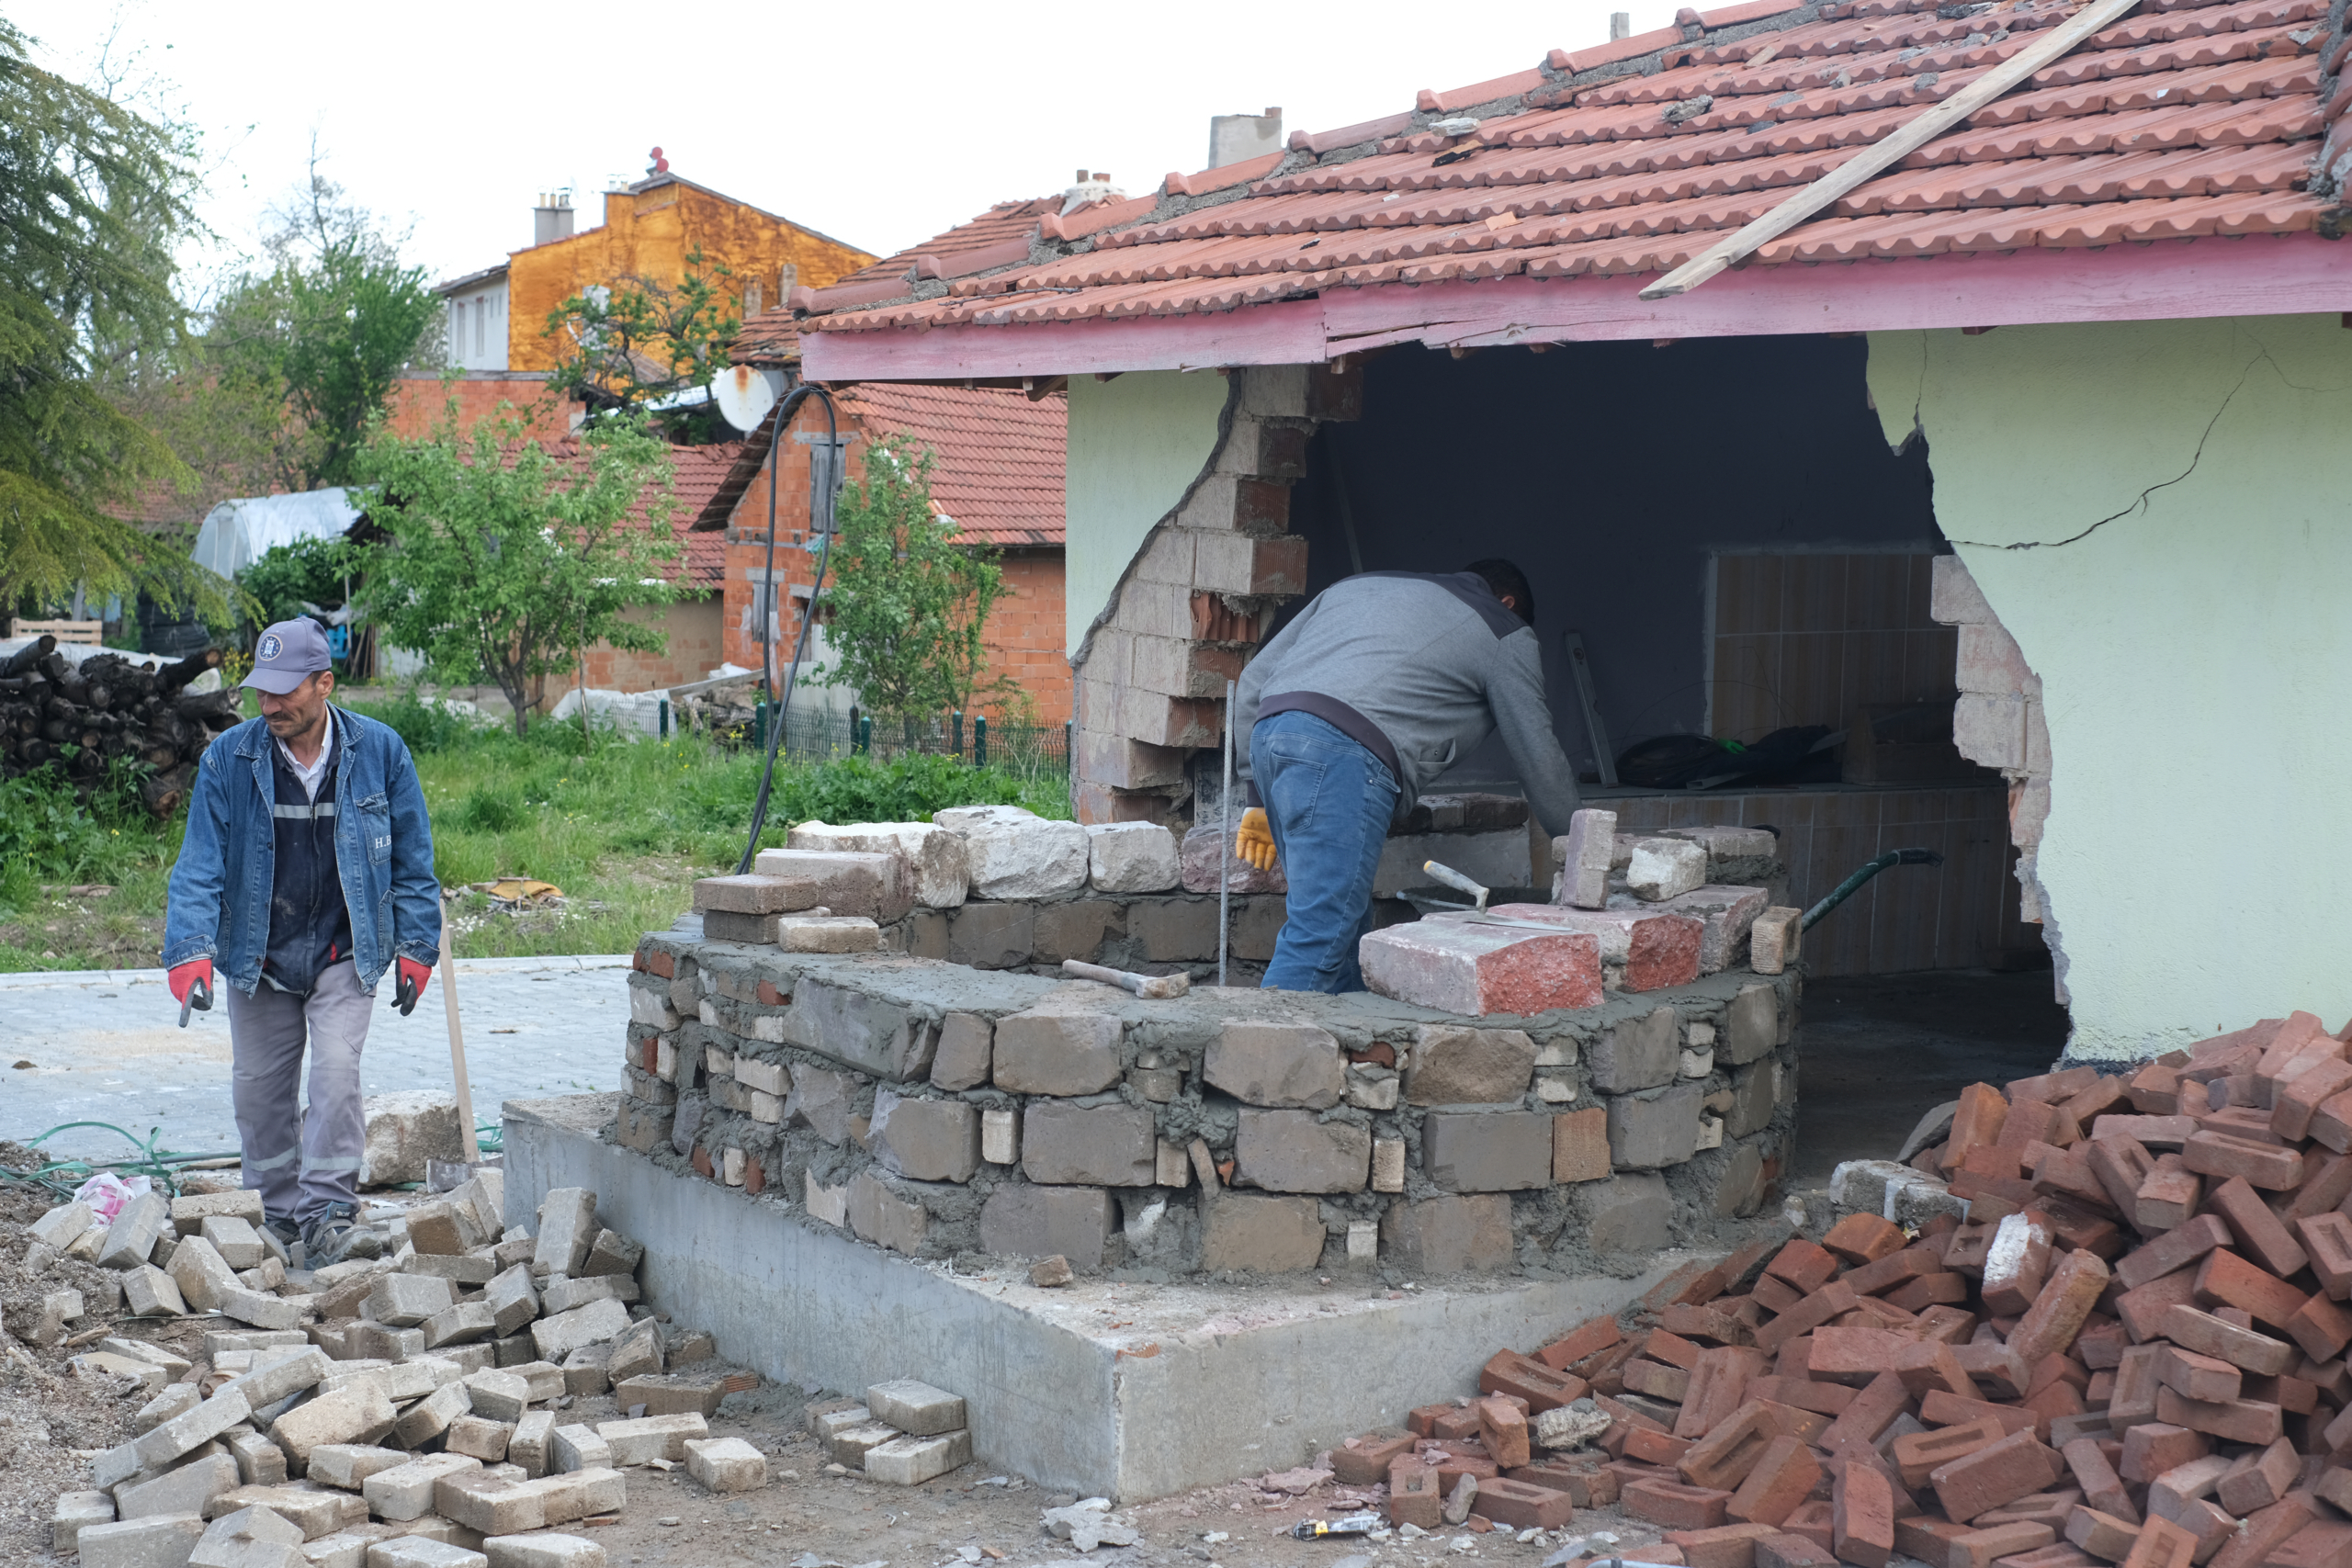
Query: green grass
622	827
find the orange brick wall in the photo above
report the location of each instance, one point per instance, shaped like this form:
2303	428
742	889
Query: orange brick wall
647	234
417	402
1025	636
694	652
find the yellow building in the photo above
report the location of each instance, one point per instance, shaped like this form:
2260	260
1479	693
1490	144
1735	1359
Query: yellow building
647	230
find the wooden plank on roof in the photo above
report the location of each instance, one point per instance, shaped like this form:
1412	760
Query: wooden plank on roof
1883	155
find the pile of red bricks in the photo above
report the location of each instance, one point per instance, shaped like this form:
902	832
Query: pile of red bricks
2131	1351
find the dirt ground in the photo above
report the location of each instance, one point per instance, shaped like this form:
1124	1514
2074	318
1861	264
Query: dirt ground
54	1421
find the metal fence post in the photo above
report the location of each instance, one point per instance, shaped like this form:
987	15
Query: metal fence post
1069	749
865	734
760	725
979	740
956	732
665	719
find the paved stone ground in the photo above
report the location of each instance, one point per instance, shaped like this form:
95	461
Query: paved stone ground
105	1045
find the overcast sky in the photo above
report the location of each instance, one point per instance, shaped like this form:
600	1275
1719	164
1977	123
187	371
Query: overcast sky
878	124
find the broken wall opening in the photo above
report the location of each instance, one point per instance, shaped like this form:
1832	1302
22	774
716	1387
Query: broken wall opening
1723	525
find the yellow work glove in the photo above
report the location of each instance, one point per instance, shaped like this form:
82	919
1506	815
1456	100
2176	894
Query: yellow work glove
1253	840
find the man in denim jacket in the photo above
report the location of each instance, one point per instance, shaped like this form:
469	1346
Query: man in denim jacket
306	871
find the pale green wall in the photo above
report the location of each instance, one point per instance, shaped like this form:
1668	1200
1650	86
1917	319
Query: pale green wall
1135	444
2195	650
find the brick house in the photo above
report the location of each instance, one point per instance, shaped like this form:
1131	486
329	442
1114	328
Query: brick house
999	451
2009	414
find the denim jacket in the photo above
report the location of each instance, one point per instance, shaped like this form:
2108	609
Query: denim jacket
218	906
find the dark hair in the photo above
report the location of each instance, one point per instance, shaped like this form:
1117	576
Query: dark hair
1507	580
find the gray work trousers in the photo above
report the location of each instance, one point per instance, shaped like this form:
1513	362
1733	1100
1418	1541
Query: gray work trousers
301	1162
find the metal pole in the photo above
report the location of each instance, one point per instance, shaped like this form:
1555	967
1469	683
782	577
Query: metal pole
1225	845
458	1042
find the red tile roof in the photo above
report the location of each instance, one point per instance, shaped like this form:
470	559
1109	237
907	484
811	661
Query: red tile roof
2192	119
1000	470
697	475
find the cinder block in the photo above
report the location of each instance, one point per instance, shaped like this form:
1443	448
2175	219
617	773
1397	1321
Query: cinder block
353	1414
235	1240
1109	1145
1293	1151
1021	1221
164	1542
1448	1235
1244	1232
1487	1151
1639	1053
881	1215
726	1464
650	1438
911	1460
556	1337
1057	1051
567	1294
542	1549
576	1447
1277	1064
915	1407
926	1140
348	1465
74	1512
405	1491
404	1301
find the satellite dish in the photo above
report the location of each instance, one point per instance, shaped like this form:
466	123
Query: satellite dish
745	393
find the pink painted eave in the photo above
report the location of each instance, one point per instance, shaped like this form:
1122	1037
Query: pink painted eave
2168	280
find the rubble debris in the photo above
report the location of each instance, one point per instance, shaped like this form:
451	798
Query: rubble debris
2096	1320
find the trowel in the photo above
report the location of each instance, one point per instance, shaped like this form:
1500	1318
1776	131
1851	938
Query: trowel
1474	914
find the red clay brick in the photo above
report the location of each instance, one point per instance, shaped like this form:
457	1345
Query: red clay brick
2257	1480
1422	1419
1981	1114
1366	1463
1778	1484
2213	1336
1589	1338
1861	1503
1725	1546
1927	1536
1895	1268
1722	1459
2065	1305
1812	1522
1782	1550
2328	1240
2120	1163
1928	1289
2143	1311
2056	1555
1999	1472
1672	1506
2264	1532
1502	1427
1523	1506
1543	1387
1705	1323
1413	1494
1671	1348
1803	1265
1831	1301
2321	1327
2161	1544
1871	1411
2103	1535
1656	1380
2168	1196
2177	1248
2226	1280
2210	1153
1982	1548
2295	1099
1917	1455
2153	1447
1656	1448
1718	1388
2102	1488
2197	1376
2232	1420
1862	1238
1853	1355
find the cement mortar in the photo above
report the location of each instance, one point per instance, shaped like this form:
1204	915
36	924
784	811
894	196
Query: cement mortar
1118	1387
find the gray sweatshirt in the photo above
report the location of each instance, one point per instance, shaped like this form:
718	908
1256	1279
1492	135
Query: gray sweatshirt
1419	668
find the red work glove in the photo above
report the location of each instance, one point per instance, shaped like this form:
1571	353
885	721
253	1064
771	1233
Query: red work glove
184	976
416	974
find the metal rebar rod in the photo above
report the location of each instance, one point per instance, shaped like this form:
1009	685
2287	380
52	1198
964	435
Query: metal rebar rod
1225	845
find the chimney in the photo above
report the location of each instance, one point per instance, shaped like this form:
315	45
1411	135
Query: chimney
1237	138
1621	24
551	219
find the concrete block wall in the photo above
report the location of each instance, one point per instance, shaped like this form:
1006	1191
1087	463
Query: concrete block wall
1199	595
936	1110
1999	720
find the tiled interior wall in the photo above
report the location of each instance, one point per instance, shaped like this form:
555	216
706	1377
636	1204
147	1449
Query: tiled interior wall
1807	638
1912	917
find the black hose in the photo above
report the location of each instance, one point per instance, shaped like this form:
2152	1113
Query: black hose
784	413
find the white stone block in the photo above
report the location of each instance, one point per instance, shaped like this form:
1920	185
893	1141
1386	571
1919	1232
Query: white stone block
567	1230
576	1447
910	1461
915	1407
1133	857
649	1437
404	1131
934	863
73	1513
1660	869
556	1337
405	1491
1582	855
163	1541
543	1548
1014	854
726	1464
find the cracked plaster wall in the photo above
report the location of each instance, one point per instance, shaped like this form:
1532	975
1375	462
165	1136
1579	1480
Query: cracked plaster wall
2156	512
1135	444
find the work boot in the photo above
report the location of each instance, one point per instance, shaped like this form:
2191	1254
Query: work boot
335	1236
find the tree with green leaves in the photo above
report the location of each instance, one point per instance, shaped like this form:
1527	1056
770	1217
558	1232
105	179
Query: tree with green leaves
623	346
93	197
302	356
505	560
910	598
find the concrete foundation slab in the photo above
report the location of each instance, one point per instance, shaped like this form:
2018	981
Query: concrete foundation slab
1201	1383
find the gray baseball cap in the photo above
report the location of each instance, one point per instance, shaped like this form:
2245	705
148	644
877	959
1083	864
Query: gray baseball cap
288	654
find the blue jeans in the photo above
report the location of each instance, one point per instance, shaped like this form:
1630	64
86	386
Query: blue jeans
1328	801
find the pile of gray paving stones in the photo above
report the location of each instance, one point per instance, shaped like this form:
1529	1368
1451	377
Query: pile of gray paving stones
410	1411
